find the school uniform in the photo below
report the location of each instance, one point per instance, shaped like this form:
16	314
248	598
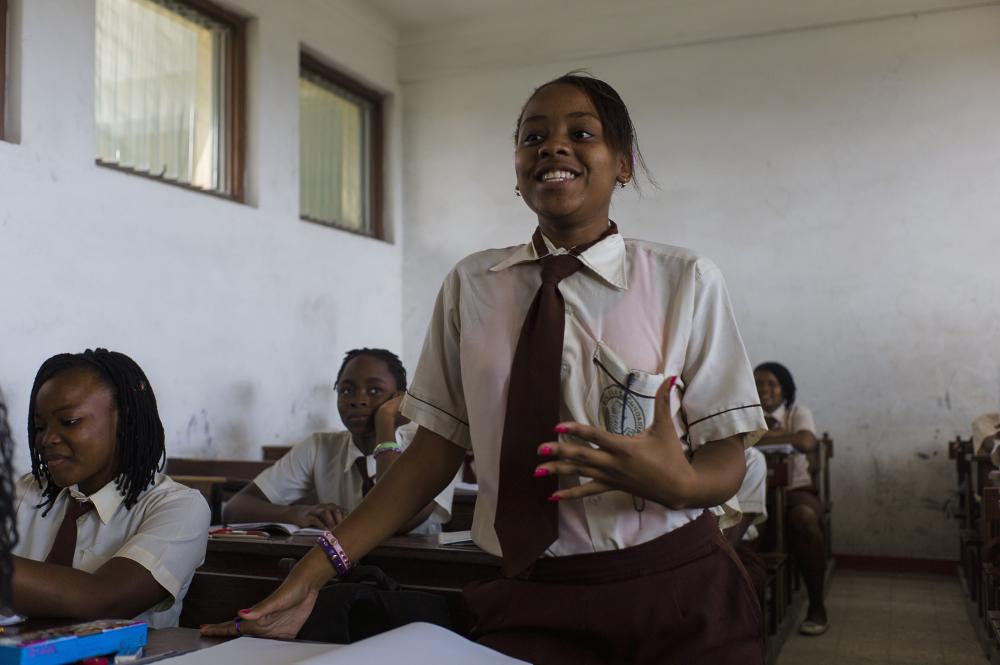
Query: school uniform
165	532
752	499
326	463
800	486
636	313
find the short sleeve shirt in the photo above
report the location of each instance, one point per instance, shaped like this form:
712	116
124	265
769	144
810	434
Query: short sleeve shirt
324	463
165	532
797	419
753	491
637	313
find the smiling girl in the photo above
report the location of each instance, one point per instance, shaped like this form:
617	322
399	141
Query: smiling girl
339	468
628	352
102	533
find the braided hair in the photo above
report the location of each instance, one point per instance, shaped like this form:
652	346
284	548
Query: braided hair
391	360
140	441
8	530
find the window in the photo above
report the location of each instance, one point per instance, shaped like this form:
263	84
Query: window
3	63
340	150
169	97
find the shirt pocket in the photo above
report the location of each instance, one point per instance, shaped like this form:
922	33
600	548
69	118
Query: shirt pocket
621	399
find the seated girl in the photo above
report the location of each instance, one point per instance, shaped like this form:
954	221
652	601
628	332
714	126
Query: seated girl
792	423
102	533
339	468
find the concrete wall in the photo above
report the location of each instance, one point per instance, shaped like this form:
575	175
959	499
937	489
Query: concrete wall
843	176
239	313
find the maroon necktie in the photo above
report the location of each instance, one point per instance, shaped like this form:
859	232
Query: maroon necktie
361	464
526	521
64	546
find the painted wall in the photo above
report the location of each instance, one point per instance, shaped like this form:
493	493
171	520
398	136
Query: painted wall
239	313
844	177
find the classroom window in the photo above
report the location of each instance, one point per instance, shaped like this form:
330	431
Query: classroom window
340	154
169	92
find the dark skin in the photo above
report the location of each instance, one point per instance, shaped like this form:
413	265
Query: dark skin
769	390
76	422
368	400
560	134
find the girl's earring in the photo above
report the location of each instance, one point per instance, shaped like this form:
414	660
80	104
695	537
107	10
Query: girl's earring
622	183
517	191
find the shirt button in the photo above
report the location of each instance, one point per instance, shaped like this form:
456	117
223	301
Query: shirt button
564	369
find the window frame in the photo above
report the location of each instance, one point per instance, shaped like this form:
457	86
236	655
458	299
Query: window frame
313	65
235	115
3	67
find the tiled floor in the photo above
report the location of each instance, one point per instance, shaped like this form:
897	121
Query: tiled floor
878	618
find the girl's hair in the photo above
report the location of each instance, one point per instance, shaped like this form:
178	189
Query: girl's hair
8	528
140	442
391	360
784	378
619	132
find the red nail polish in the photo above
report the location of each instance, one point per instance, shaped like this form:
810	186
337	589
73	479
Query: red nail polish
541	472
244	611
561	429
555	498
545	450
670	383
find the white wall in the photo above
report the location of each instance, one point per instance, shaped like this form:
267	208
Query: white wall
239	313
845	179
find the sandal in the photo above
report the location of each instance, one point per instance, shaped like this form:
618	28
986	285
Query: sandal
813	628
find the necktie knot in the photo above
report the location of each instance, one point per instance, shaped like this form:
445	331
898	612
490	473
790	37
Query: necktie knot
557	268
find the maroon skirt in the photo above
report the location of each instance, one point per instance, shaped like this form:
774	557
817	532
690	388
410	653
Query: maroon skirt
681	599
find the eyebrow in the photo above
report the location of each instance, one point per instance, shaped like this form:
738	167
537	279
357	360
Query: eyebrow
574	114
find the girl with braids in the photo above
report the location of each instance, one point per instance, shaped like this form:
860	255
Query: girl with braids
337	469
8	534
604	389
103	533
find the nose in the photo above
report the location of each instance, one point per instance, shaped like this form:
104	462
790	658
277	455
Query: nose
553	145
359	400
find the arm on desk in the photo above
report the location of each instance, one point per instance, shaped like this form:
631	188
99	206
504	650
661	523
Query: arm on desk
120	589
803	440
250	505
419	474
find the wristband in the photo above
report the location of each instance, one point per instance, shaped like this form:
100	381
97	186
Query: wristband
335	553
387	447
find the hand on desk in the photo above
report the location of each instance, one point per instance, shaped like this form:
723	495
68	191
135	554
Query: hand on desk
321	516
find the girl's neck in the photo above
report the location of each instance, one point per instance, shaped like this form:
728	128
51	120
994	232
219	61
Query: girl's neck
364	442
569	236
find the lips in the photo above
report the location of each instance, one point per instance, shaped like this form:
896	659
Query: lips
551	173
55	460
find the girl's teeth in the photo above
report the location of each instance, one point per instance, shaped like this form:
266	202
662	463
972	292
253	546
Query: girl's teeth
557	175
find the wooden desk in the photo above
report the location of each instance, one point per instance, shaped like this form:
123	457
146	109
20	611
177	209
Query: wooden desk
238	573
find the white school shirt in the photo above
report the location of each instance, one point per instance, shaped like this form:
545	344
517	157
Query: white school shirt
637	313
753	491
324	463
797	419
165	532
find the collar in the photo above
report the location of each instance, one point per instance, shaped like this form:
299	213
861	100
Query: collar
607	258
779	413
106	500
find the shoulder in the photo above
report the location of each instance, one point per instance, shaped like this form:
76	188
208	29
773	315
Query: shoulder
672	259
167	492
799	411
28	491
479	263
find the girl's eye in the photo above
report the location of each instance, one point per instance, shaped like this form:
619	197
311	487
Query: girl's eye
344	391
70	422
374	391
530	139
582	134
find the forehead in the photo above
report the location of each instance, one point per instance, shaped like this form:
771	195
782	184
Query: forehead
557	100
72	387
363	369
764	375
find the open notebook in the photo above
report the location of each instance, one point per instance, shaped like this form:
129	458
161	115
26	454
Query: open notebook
271	528
412	644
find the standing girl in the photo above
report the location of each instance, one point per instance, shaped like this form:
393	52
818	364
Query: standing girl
102	533
628	352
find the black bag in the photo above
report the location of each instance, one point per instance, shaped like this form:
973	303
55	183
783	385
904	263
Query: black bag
367	602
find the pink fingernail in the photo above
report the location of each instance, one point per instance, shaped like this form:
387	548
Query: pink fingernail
555	499
545	450
539	472
561	429
244	611
670	382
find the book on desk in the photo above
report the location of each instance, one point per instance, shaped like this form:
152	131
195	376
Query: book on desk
70	643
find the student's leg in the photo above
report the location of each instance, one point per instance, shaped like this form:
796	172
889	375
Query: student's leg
806	540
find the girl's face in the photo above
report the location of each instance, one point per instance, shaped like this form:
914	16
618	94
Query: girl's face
565	169
365	384
769	390
76	423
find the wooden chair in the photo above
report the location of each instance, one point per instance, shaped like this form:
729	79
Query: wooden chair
819	469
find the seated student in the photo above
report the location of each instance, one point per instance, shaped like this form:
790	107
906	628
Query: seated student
752	499
102	533
792	423
8	533
339	468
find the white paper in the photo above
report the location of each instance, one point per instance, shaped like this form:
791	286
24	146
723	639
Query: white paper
454	537
415	644
782	448
254	651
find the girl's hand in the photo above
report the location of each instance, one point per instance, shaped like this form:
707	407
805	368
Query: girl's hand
651	465
282	614
321	516
388	416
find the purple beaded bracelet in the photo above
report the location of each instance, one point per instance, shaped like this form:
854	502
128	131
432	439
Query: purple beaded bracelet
335	553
